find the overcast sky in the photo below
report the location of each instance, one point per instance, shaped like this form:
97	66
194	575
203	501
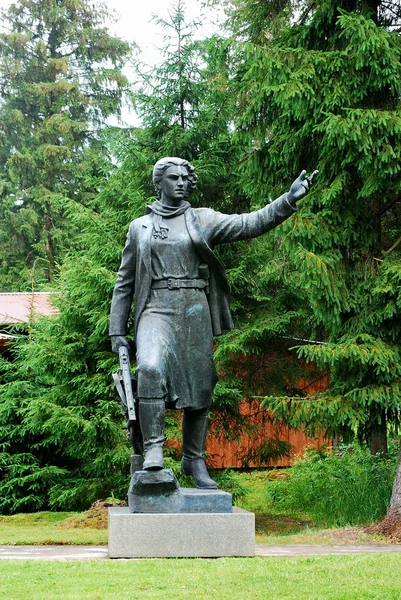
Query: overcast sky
135	20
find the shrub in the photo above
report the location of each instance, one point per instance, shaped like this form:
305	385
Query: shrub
347	486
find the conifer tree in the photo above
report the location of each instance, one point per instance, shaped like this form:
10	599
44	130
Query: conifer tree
186	109
62	438
60	79
65	422
187	106
324	92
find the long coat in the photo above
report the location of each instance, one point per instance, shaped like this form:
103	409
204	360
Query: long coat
207	228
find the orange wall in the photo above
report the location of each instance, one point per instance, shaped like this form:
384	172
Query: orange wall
226	454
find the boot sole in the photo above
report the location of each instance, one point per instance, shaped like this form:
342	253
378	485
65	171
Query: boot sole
206	487
153	467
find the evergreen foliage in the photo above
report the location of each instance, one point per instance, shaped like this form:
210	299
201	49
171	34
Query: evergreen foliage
319	91
66	419
186	110
324	93
60	79
62	437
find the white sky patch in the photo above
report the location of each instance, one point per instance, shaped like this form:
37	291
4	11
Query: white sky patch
135	22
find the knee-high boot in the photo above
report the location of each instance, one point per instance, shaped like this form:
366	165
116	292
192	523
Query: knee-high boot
151	419
194	430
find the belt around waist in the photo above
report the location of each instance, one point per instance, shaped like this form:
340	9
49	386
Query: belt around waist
175	284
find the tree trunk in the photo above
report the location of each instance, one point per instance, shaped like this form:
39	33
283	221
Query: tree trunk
395	504
377	431
391	524
370	8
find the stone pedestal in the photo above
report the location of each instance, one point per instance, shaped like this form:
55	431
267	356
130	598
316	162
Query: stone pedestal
154	492
192	535
159	492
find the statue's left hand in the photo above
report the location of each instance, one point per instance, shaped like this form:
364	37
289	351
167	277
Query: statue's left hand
301	186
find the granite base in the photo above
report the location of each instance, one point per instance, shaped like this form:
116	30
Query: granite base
202	535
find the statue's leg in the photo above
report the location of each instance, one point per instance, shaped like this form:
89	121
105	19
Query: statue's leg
151	373
151	418
194	430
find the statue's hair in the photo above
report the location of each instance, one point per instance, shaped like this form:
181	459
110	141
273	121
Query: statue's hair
165	163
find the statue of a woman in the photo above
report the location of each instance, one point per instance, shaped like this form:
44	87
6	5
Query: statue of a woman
181	300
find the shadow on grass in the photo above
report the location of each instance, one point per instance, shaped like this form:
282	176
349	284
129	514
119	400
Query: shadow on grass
279	524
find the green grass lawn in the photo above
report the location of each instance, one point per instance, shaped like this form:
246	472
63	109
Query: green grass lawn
362	577
85	529
52	528
272	527
365	577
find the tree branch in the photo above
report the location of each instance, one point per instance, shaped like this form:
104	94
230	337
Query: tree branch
393	247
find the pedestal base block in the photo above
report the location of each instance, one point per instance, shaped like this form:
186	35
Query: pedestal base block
203	535
159	492
205	501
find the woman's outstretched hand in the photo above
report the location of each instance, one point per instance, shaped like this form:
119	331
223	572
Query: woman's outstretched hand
301	186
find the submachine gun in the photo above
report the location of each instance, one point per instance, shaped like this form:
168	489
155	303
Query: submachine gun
126	387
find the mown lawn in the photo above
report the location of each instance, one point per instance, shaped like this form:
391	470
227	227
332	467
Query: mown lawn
365	577
85	529
52	528
272	525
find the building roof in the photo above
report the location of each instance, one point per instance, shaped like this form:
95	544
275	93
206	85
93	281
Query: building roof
5	339
21	307
5	336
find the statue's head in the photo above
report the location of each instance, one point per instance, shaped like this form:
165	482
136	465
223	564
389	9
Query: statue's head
164	163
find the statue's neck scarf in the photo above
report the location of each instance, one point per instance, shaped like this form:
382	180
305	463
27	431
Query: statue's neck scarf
160	212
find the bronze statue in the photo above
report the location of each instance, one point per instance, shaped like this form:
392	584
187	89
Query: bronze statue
181	300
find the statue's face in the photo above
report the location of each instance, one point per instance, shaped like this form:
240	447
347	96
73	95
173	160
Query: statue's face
174	185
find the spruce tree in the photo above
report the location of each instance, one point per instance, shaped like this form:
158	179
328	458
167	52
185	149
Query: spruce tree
186	109
62	439
66	424
60	79
324	93
187	104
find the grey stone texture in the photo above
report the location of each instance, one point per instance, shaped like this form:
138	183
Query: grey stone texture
159	492
154	492
65	553
202	535
206	501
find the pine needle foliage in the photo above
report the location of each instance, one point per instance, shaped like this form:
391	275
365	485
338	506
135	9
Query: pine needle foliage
63	442
324	93
60	79
188	103
68	405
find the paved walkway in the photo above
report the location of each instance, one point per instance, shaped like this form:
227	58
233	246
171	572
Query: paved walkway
96	552
53	552
319	550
